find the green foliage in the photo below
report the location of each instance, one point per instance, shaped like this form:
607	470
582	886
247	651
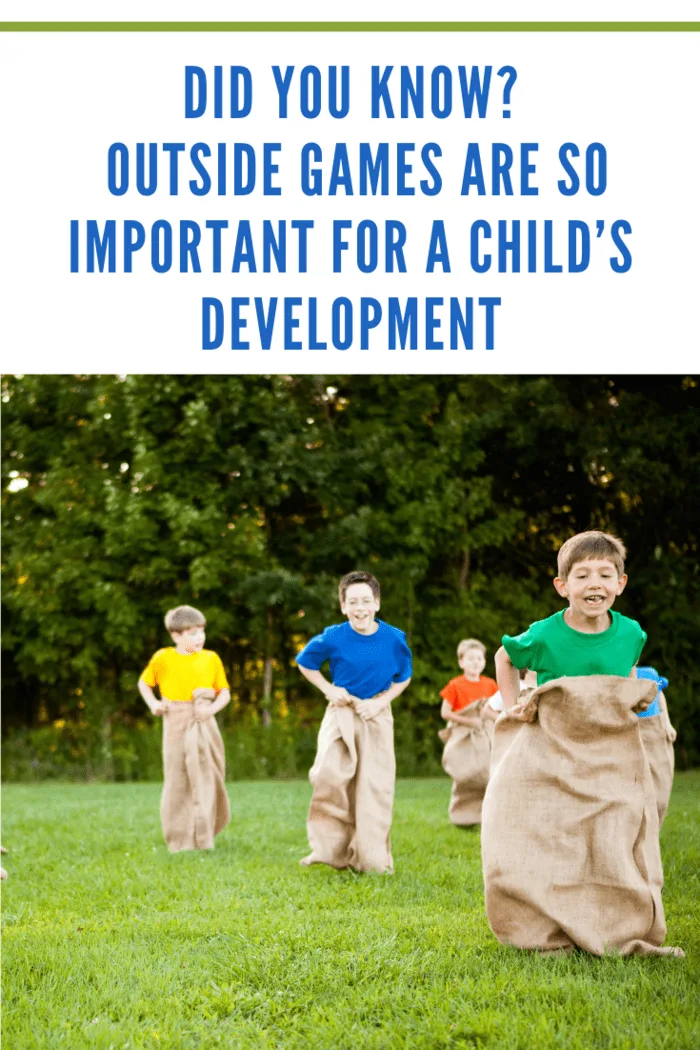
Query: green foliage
250	495
132	750
109	941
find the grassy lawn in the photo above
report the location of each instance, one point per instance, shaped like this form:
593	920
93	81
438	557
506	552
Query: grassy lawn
110	942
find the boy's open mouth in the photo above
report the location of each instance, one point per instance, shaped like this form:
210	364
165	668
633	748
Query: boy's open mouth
594	599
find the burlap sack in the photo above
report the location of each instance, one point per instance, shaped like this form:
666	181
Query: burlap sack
465	758
569	838
658	736
504	729
194	805
353	777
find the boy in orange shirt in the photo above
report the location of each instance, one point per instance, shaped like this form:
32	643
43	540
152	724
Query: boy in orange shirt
192	684
470	686
467	737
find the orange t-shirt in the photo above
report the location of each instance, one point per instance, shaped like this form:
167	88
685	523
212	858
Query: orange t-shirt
460	692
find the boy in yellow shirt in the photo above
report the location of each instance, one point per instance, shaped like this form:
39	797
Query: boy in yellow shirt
192	684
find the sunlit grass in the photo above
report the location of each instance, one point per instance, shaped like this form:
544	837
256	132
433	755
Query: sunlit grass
109	942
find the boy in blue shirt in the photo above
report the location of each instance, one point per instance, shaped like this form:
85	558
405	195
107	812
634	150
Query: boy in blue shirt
355	769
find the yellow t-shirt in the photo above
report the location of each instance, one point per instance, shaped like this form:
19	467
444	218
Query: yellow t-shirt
177	675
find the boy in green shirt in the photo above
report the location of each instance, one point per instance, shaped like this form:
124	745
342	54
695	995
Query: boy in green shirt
585	639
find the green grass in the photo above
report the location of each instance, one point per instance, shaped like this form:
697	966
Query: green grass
110	942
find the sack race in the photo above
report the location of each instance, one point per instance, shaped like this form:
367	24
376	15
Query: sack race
353	778
658	736
194	805
570	831
466	759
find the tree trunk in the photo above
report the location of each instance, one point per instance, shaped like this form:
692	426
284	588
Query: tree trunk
464	571
267	674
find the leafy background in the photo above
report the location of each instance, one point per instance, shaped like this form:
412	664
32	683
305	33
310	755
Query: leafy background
249	496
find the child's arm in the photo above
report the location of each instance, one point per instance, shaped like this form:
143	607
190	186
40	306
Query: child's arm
335	694
460	717
507	678
446	711
368	709
156	706
218	703
489	712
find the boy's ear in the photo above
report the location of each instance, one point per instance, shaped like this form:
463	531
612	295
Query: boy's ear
621	583
560	587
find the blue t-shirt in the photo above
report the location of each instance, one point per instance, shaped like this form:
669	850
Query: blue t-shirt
363	664
652	674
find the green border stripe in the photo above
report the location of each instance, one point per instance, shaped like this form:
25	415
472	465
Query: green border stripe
349	27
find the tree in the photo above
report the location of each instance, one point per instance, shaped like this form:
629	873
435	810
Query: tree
250	495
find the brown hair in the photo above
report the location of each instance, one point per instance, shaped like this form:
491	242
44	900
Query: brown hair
182	617
359	576
469	643
592	544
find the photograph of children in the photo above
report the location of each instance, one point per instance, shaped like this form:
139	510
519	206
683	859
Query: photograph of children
250	622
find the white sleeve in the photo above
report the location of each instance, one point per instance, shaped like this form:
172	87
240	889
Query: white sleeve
496	702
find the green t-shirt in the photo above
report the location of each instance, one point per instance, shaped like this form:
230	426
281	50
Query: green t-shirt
554	650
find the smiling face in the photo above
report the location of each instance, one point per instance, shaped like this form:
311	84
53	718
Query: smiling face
472	661
591	587
191	640
360	606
